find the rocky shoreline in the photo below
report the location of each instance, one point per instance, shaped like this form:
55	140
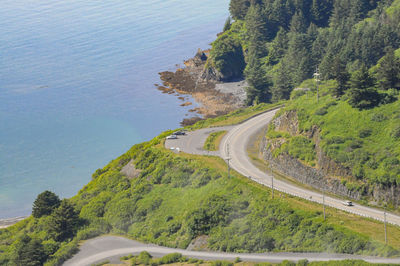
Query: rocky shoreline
215	97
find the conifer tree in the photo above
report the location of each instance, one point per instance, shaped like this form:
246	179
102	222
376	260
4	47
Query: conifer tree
259	84
389	71
298	23
282	83
44	204
341	75
362	93
28	252
238	8
227	25
64	221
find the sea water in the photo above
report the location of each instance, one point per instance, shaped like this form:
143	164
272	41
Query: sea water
77	85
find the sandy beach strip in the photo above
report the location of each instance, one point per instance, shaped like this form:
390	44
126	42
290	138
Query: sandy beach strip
4	223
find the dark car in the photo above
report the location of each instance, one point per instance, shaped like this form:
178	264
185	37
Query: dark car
179	133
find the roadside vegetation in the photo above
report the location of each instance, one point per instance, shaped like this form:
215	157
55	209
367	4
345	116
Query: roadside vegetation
145	258
213	140
177	198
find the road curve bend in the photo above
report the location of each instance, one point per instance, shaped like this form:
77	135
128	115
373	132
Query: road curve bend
111	248
234	146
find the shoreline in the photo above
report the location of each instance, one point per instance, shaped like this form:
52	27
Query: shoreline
7	222
214	97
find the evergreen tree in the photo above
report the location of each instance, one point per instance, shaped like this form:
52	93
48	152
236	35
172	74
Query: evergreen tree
321	10
259	84
28	252
282	84
339	72
238	8
361	79
389	71
278	47
44	204
298	23
362	93
256	28
64	221
227	25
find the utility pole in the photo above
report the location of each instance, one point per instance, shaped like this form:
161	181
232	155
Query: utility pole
323	202
384	220
316	77
272	185
227	159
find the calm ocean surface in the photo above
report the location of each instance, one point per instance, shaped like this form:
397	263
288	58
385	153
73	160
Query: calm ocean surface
77	85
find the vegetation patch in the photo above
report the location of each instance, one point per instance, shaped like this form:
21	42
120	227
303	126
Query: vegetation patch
176	198
213	140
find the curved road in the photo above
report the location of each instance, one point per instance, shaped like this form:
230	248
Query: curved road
236	141
111	248
233	145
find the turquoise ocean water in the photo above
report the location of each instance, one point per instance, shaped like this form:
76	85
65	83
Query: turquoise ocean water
77	85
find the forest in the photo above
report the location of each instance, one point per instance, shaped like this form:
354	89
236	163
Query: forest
277	44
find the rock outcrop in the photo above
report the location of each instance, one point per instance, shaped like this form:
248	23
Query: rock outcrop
328	174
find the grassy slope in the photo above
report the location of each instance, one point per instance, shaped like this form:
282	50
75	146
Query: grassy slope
366	141
178	197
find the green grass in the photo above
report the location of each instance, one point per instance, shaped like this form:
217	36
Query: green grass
178	197
366	141
213	140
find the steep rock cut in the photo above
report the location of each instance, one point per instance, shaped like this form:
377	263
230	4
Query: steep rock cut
327	174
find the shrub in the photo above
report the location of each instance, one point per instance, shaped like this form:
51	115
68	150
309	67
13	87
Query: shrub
221	263
321	111
378	117
171	258
366	132
396	132
144	258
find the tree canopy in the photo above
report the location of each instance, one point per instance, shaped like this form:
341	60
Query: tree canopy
45	203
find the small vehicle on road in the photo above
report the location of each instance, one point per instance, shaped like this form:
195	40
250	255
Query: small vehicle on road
348	203
172	137
179	133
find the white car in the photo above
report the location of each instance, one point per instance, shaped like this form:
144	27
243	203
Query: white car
172	137
348	203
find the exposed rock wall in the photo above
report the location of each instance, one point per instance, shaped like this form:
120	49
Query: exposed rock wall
325	176
314	177
327	173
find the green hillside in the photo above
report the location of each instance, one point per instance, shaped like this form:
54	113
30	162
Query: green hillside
172	199
176	197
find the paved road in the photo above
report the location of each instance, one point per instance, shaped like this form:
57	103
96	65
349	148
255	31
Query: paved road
112	248
193	141
237	140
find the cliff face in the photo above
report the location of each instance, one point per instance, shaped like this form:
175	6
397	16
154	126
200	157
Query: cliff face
327	175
